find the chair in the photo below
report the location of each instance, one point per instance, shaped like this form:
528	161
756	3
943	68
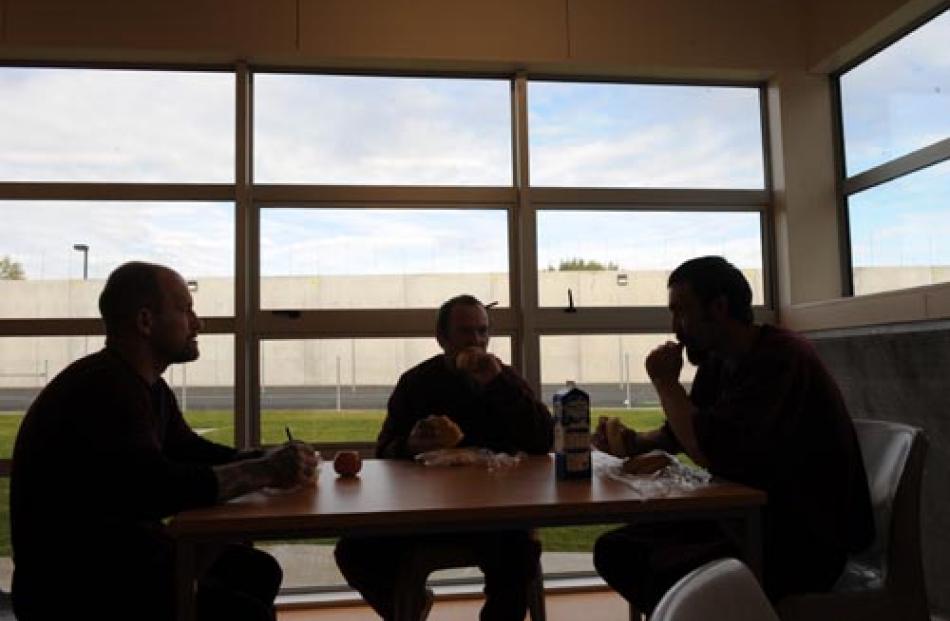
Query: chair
723	589
886	581
410	604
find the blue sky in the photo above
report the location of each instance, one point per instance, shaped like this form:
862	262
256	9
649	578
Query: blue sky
895	102
132	126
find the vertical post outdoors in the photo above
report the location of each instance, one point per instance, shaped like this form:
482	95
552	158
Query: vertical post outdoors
626	373
352	365
620	361
184	388
339	387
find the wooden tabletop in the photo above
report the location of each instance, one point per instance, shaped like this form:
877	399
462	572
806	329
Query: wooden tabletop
393	496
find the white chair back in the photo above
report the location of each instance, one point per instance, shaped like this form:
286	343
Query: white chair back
723	589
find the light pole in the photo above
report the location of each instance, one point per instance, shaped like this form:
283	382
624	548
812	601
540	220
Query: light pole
84	249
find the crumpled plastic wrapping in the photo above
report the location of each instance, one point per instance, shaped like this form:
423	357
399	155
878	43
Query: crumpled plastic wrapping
469	456
675	477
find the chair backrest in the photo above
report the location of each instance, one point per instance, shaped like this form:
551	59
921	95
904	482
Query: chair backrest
893	460
723	589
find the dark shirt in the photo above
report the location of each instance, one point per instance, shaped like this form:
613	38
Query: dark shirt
503	415
774	419
101	457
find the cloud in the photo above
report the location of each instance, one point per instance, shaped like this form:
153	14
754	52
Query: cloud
144	126
898	100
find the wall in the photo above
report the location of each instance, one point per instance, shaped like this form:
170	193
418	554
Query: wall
630	37
899	373
835	32
26	361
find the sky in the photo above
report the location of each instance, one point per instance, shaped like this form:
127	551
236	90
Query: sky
178	127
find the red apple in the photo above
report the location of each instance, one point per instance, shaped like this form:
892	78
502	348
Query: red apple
347	463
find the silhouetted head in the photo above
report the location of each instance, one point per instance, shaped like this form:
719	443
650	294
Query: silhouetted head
151	303
705	295
462	322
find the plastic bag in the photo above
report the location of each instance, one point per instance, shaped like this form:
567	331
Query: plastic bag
470	456
675	477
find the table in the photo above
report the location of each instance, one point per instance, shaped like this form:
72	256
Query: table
401	497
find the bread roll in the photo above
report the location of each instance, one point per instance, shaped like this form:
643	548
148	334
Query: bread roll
442	430
615	443
449	434
648	463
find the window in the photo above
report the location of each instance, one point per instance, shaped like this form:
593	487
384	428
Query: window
648	136
336	390
895	109
113	125
359	130
382	258
373	199
616	258
610	367
899	232
65	250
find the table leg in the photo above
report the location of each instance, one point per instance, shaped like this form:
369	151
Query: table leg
752	545
185	567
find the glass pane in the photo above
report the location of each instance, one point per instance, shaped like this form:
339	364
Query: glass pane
615	258
899	232
204	387
379	258
638	135
898	100
116	125
610	367
381	131
335	390
56	255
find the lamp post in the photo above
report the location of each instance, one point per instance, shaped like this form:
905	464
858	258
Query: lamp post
84	249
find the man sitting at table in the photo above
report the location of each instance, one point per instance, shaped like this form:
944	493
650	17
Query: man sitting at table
104	454
462	397
762	411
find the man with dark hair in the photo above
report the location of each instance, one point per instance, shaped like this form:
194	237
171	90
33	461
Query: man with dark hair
462	397
104	455
762	411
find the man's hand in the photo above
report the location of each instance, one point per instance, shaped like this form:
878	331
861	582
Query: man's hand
291	464
481	365
284	466
433	432
611	436
665	363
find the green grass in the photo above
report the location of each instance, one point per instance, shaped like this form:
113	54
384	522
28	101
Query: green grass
331	426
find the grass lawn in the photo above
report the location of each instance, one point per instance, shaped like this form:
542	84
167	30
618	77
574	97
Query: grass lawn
329	426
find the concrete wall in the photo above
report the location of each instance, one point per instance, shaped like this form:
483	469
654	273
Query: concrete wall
900	374
626	36
29	361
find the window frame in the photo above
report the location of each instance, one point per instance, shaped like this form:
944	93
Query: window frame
893	169
523	321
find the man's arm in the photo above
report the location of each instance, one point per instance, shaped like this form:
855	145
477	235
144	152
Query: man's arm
636	442
285	466
664	365
526	422
392	440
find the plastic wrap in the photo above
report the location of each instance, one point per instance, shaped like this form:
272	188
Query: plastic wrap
677	476
470	456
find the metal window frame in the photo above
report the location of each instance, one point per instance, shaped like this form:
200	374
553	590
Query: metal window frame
523	321
913	161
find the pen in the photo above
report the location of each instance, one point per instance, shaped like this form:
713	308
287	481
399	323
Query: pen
290	438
